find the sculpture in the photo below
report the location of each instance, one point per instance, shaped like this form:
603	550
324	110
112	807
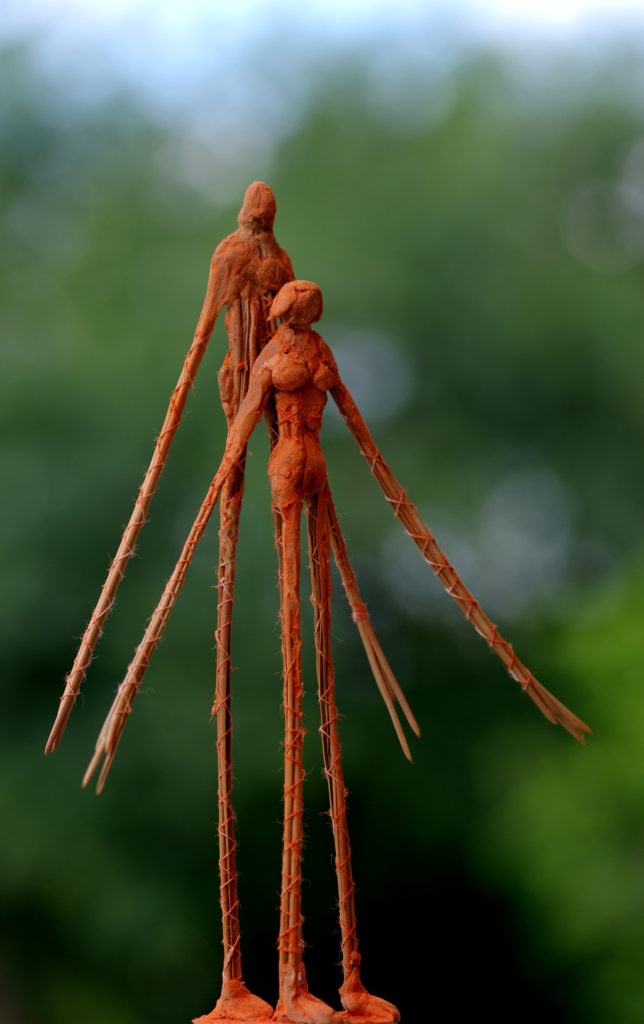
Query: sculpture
288	382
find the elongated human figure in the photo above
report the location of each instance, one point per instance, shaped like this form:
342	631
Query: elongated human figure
247	269
296	371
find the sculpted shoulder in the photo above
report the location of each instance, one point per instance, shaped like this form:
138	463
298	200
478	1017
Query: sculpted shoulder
227	267
327	374
225	245
272	352
252	267
231	253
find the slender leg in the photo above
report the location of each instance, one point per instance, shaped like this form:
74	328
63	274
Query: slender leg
235	1001
359	1005
295	1002
228	536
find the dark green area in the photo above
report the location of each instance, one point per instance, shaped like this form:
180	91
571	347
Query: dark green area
491	260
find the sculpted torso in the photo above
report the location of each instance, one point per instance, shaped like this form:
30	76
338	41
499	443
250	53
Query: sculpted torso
252	267
252	263
302	370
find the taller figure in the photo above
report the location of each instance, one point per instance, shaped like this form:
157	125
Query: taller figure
246	271
248	268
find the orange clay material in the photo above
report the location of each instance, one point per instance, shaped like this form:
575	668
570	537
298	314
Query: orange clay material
296	369
246	267
319	554
235	1005
230	509
385	679
247	334
249	327
403	509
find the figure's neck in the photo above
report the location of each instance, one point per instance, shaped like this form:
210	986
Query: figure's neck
249	232
295	332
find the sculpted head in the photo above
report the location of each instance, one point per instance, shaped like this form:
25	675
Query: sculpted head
298	303
258	208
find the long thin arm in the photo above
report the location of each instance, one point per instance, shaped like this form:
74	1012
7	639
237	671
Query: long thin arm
249	414
406	512
386	681
212	306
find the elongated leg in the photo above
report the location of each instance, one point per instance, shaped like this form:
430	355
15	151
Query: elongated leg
244	326
228	537
360	1006
235	1002
295	1002
382	673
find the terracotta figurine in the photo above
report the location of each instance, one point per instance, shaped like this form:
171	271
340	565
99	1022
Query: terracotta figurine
247	269
284	373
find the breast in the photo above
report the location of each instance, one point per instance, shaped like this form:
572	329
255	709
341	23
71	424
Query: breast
290	373
324	376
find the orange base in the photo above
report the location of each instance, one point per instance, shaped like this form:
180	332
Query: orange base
360	1007
236	1005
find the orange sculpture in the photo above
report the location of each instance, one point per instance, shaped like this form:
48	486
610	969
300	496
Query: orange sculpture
286	378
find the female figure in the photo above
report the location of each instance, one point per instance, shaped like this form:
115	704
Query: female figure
294	372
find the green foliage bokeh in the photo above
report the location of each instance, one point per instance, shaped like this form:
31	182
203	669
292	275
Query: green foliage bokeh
483	279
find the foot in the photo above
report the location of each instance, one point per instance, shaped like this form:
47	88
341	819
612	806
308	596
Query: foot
236	1004
361	1007
296	1005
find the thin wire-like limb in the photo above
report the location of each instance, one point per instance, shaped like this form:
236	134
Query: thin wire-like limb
295	1002
290	936
319	553
248	327
235	1002
359	1004
231	500
406	512
382	672
122	705
242	324
249	415
211	308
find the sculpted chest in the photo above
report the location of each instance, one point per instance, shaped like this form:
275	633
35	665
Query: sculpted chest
293	368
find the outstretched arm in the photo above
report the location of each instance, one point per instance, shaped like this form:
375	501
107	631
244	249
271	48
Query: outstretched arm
215	297
248	416
385	679
403	509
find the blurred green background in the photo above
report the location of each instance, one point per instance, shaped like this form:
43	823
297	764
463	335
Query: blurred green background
475	218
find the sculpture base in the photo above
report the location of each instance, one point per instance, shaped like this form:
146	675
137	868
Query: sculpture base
236	1005
360	1006
348	1017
